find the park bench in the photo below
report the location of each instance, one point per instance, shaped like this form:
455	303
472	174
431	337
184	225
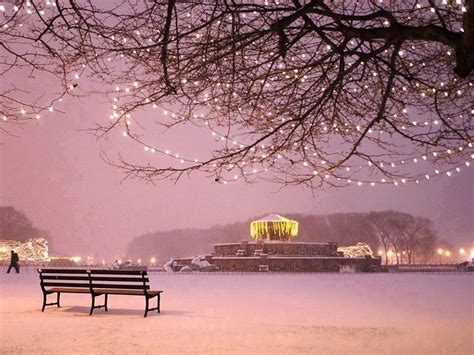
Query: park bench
97	283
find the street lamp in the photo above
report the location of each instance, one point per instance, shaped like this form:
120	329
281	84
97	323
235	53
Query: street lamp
462	251
389	255
440	253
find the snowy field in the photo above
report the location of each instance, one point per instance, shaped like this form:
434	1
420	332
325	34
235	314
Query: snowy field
250	314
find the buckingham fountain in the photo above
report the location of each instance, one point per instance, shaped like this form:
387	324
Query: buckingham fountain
272	248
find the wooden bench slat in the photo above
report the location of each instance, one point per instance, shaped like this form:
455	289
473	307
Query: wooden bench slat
64	277
119	279
129	287
69	290
119	272
62	271
127	292
70	284
66	284
105	290
95	278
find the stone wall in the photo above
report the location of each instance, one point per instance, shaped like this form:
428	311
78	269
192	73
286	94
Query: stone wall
294	263
276	248
253	256
237	263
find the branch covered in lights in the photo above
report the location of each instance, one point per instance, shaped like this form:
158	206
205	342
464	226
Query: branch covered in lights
295	92
359	250
31	250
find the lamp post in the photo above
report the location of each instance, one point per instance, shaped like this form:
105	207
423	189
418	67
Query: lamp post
447	253
390	255
380	253
440	252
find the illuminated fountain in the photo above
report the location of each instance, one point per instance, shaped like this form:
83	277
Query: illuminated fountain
273	248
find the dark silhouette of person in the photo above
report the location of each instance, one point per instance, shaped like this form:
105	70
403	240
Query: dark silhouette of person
14	259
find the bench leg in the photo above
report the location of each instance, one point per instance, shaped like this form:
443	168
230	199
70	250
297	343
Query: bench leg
146	305
45	294
44	301
93	306
147	309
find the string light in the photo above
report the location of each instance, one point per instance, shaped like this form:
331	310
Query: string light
305	164
358	182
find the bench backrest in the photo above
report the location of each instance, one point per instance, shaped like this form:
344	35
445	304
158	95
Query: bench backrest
94	279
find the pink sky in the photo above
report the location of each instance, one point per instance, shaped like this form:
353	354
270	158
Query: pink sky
54	173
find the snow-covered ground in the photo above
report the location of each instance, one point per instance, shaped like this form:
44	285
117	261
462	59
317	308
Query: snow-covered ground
251	314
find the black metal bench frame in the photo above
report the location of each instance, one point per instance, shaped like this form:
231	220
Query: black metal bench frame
97	283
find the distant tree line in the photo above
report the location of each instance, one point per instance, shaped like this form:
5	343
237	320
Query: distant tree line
409	238
15	225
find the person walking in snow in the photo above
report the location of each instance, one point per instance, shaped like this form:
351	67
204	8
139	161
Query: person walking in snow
14	259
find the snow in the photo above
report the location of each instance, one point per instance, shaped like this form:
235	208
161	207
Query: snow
271	313
273	217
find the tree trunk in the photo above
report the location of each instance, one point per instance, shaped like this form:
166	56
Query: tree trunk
465	47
